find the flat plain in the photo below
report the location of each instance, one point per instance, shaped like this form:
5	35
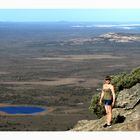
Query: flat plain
58	68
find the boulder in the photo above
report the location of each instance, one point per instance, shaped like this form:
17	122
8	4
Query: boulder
129	98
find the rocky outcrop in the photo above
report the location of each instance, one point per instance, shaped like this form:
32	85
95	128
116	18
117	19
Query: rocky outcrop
126	114
119	37
129	98
110	36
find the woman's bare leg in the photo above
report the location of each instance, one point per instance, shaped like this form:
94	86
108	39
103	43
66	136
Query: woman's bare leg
108	114
106	109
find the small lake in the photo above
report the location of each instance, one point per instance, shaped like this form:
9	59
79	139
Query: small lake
21	109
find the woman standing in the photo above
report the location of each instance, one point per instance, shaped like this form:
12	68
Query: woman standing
108	98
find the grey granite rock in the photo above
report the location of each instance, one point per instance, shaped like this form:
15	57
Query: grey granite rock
129	98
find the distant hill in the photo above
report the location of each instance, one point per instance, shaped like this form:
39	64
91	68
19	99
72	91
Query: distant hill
121	37
110	36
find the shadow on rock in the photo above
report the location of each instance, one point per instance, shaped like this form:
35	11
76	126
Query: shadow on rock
118	119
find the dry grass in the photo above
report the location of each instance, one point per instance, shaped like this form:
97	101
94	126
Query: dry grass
87	82
79	57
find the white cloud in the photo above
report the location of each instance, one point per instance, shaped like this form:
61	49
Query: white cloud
121	26
48	4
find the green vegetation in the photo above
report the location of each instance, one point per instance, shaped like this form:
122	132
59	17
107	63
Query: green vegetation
44	95
120	81
95	107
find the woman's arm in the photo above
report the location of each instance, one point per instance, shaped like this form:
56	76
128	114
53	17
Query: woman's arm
101	98
113	94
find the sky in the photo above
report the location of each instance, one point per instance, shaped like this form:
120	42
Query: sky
94	15
70	10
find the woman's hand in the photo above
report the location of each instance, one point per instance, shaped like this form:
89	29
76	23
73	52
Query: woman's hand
100	102
113	103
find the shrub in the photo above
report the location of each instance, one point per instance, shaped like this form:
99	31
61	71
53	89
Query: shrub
95	107
122	81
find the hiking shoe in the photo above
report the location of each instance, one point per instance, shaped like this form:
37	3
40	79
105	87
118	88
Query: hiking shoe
107	125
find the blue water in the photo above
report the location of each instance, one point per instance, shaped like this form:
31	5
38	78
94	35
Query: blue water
21	109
